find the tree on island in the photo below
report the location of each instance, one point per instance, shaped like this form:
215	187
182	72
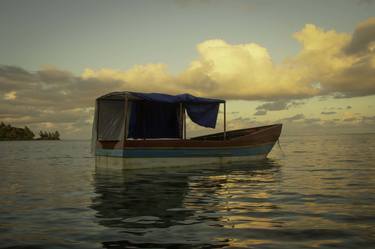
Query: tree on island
44	135
8	132
57	135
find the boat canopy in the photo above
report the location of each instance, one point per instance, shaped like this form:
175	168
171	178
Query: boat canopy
122	115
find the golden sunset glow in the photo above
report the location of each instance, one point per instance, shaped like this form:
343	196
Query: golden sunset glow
322	73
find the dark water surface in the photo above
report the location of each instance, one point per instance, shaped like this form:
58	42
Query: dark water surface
321	194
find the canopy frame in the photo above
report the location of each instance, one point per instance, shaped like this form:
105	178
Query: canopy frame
137	97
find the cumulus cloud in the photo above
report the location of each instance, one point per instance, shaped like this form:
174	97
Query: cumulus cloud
328	63
363	38
243	71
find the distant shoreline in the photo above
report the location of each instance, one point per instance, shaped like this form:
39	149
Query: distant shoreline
11	133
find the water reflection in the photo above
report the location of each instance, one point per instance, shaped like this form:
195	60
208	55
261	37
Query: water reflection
139	199
322	195
185	207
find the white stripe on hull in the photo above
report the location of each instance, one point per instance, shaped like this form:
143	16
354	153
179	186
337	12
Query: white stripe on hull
147	163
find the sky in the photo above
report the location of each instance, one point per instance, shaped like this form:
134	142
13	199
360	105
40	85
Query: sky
307	64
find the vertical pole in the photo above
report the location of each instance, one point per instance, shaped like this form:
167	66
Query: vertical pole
181	123
126	118
184	114
225	122
97	120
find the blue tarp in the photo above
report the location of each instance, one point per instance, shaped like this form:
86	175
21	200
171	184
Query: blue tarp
159	114
180	98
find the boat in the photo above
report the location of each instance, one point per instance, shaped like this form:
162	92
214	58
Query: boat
137	130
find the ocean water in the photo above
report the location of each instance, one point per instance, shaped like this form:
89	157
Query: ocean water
318	193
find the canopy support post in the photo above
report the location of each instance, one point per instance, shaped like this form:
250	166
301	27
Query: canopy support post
97	121
181	122
126	118
184	117
225	122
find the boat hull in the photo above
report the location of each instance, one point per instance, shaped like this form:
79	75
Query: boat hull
241	146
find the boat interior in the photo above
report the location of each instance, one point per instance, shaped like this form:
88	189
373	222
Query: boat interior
234	133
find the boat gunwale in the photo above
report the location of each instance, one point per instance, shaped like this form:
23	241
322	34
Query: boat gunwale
260	135
253	129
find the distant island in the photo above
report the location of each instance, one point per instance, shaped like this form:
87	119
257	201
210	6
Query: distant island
8	132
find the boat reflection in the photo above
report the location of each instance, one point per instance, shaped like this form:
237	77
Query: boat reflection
139	198
191	206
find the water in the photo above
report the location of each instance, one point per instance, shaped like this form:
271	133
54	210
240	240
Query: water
321	194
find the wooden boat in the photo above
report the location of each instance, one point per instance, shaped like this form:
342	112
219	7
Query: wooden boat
131	130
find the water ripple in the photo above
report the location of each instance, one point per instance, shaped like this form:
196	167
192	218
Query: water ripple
321	194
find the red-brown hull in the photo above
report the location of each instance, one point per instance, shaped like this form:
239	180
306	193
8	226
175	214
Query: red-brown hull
236	138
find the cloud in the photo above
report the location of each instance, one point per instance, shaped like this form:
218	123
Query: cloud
363	38
370	119
49	97
328	63
332	108
274	106
260	113
300	124
355	77
243	71
326	60
279	105
239	123
312	120
296	117
10	95
350	119
328	113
